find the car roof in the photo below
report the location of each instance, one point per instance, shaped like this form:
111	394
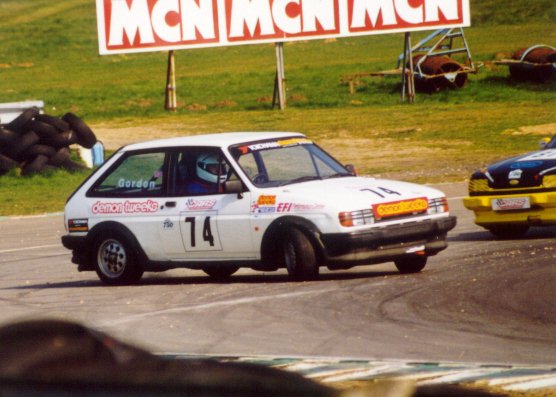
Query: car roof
222	140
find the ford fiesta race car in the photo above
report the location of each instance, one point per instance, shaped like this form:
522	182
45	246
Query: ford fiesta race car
511	195
260	200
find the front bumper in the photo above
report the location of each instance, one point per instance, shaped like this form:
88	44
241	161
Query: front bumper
79	248
542	211
344	250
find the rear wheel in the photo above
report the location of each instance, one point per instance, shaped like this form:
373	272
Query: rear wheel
299	255
115	260
508	231
411	264
220	273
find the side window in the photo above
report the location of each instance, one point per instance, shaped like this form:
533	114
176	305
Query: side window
137	175
199	171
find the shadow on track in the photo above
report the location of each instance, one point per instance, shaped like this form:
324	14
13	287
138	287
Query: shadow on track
203	279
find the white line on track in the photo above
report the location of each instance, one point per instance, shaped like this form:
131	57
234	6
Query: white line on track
212	305
36	247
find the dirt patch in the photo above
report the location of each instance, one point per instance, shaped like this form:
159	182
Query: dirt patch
395	154
116	137
547	130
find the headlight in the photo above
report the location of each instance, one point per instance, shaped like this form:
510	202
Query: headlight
356	218
438	206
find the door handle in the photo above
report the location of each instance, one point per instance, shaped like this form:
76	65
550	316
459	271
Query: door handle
170	204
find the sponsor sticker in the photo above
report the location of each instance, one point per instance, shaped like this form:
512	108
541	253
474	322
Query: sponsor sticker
297	207
402	207
266	200
265	204
78	225
511	203
126	207
199	205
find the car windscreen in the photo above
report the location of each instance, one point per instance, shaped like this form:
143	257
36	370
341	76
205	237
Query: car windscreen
286	161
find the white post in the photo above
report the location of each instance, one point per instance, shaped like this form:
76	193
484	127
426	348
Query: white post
408	77
280	79
171	101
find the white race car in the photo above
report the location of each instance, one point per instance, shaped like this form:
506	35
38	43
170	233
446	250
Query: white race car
259	200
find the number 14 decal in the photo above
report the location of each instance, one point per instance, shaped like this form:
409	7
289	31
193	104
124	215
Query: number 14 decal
207	233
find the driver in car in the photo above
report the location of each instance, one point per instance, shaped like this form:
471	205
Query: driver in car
210	174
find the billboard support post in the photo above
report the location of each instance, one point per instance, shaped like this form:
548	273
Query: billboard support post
171	102
280	79
408	75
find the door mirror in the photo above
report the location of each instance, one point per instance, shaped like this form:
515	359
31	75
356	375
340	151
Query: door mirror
351	168
234	187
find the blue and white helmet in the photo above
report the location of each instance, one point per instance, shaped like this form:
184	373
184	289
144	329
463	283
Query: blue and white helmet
210	169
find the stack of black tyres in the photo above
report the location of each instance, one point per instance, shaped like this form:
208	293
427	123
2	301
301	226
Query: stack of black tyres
37	142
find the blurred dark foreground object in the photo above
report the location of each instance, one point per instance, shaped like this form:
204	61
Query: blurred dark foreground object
59	358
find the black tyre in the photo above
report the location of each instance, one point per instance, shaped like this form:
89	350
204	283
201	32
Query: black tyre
85	136
299	255
6	164
220	273
71	165
37	165
18	124
411	264
21	144
61	139
115	260
43	130
60	157
35	150
508	231
55	122
7	136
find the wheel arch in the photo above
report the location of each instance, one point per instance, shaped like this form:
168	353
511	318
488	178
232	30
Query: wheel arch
111	227
271	244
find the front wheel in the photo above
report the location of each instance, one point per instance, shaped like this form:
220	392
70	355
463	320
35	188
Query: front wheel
299	256
411	264
115	261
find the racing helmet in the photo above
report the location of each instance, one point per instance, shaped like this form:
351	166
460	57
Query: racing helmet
209	169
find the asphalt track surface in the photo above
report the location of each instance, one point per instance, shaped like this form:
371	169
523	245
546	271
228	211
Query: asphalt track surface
480	301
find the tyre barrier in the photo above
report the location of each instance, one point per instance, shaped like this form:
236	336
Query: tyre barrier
436	73
536	63
37	142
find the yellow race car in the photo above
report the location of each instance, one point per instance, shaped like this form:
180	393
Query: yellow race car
511	195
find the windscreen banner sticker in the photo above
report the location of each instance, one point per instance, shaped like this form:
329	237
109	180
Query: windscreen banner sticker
78	225
397	208
548	154
274	144
125	207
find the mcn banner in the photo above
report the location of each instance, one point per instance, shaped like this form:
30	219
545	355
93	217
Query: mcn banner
155	25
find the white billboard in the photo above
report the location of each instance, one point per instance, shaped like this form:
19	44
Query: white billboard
158	25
